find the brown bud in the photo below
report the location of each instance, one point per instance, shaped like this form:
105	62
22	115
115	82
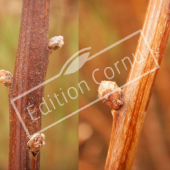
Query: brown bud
56	43
110	94
35	144
5	78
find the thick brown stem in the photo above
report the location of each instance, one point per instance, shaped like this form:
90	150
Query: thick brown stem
128	124
30	71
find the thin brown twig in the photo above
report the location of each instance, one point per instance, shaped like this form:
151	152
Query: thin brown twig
128	122
30	71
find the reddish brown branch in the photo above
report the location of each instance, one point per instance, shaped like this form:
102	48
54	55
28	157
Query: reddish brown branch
128	123
30	71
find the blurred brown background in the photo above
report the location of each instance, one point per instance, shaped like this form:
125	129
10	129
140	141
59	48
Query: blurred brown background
101	24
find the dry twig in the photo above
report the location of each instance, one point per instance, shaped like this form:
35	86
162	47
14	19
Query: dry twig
128	123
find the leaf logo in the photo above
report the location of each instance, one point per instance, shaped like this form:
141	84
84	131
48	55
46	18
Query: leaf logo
77	64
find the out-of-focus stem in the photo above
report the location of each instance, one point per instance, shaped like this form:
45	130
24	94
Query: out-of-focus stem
155	139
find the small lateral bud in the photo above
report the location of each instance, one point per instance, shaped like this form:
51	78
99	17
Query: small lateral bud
56	43
5	78
35	144
110	94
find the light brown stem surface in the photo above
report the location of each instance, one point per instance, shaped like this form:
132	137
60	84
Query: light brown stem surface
128	122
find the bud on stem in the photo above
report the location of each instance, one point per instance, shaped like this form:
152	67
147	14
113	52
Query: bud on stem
110	94
35	144
55	43
5	78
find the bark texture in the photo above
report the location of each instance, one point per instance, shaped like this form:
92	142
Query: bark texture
30	70
128	122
